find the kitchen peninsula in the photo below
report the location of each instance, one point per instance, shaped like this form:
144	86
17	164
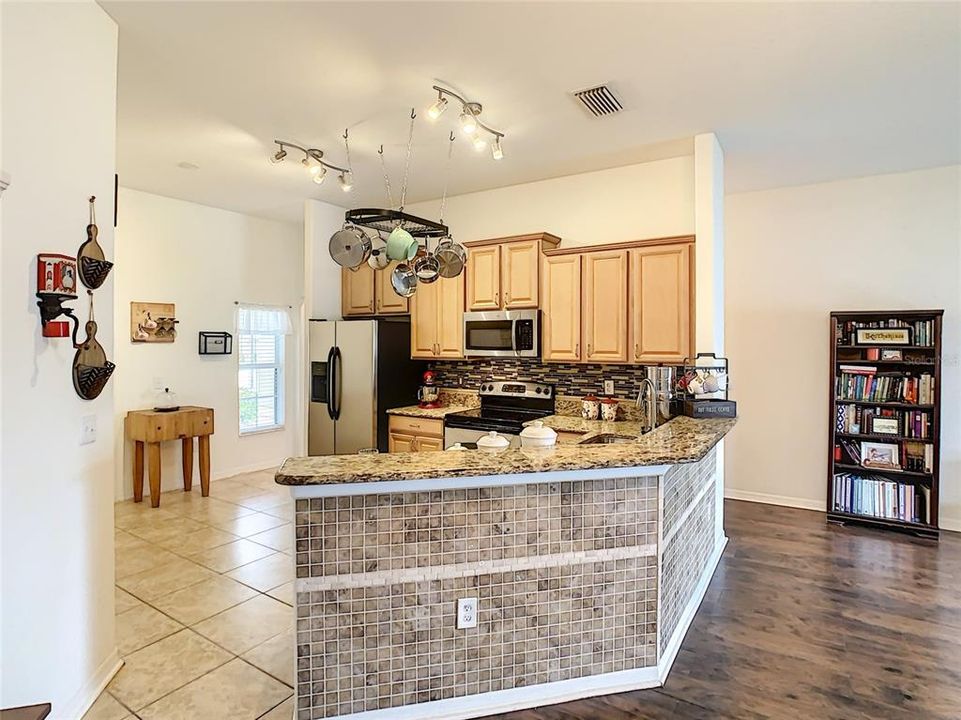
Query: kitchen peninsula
580	566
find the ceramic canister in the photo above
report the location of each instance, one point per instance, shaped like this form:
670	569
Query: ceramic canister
590	407
609	409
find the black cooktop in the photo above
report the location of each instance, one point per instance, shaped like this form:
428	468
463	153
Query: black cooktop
505	407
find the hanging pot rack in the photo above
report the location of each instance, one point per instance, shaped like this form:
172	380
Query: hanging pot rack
385	220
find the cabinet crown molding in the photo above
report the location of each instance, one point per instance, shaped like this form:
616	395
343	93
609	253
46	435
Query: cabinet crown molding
626	245
546	238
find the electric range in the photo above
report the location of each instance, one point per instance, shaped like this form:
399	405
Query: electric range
505	407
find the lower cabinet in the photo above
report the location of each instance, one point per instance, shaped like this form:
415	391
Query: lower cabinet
407	434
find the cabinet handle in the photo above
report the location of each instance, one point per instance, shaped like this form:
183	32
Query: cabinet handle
507	297
636	355
577	349
588	349
496	298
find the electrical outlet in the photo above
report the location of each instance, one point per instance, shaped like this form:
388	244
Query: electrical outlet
466	613
88	429
608	387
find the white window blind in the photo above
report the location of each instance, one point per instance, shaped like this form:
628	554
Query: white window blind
261	339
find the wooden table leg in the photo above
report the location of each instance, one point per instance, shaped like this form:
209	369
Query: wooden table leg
188	457
153	463
204	442
138	471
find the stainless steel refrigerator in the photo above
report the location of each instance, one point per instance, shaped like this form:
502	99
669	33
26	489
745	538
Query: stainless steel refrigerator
358	370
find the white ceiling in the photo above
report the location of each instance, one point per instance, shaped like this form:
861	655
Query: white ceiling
797	92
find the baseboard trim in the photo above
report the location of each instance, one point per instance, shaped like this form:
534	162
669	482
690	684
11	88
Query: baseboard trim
214	476
87	695
765	498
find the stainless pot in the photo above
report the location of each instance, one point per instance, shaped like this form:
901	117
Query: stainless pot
451	258
349	247
404	280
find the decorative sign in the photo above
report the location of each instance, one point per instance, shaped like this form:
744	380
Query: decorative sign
883	336
884	426
153	322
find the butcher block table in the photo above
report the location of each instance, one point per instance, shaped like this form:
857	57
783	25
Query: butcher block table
152	427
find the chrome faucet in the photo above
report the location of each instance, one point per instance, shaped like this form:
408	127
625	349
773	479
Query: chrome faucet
650	406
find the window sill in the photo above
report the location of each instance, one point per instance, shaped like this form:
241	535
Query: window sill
263	430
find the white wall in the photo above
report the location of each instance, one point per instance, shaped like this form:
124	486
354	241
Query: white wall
203	259
59	108
634	202
321	273
793	255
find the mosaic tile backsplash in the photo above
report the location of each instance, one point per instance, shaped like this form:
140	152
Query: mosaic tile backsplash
569	378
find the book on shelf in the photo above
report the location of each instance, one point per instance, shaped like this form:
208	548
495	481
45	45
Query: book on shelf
865	383
880	497
860	420
922	331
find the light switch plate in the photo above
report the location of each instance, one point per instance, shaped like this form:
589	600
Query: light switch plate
466	613
88	429
608	387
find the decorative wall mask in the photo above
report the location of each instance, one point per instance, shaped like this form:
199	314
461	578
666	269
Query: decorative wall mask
94	267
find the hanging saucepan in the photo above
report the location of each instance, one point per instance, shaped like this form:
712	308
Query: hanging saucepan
378	259
404	280
349	247
451	257
426	266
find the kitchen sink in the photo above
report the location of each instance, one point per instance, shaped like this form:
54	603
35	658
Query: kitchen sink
608	439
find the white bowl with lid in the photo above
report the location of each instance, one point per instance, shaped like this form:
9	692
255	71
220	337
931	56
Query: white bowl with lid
537	435
493	441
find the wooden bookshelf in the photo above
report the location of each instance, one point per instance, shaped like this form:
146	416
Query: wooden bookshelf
920	358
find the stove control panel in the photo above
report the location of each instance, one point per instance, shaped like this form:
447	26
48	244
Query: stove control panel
513	388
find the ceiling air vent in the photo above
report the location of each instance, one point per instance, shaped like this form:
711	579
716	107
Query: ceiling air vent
599	101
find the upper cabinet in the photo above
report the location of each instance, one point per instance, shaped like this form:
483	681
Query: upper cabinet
561	314
436	319
365	291
604	306
661	303
504	273
626	303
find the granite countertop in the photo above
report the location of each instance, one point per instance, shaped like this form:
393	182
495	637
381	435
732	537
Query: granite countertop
590	428
419	412
681	440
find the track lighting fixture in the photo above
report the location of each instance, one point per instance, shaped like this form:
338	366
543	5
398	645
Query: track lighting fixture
314	163
470	124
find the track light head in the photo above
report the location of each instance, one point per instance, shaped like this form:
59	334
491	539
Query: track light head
320	175
468	123
278	156
479	143
497	152
346	181
437	108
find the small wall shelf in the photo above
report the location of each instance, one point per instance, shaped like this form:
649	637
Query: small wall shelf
904	496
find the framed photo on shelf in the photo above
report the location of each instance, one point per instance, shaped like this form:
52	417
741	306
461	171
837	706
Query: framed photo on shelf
882	336
880	455
884	426
887	354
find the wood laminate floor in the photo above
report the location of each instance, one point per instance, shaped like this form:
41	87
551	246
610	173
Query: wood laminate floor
804	620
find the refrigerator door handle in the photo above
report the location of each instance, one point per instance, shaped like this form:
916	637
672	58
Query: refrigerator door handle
330	383
336	381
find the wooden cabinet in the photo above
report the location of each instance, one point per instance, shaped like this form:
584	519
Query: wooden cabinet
604	306
357	291
386	300
561	312
519	274
436	319
408	434
366	291
504	273
483	278
661	303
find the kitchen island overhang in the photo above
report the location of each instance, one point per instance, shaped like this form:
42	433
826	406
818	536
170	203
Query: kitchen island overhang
586	578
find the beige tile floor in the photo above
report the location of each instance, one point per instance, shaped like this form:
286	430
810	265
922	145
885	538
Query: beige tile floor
203	602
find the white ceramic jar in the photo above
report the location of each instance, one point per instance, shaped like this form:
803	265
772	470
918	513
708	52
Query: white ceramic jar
493	441
609	409
536	435
590	407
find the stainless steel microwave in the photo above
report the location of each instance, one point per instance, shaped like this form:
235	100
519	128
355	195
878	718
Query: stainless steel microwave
502	333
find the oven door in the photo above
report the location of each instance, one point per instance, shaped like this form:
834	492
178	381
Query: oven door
502	333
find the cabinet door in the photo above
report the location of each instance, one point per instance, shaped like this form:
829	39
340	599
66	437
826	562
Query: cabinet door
483	278
519	270
388	302
450	316
561	311
428	444
398	443
660	292
423	321
357	291
604	314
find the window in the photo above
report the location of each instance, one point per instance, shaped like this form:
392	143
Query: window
261	337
